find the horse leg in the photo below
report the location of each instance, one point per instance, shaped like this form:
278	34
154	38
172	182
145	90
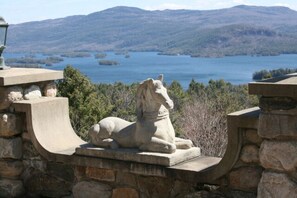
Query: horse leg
183	143
105	143
158	145
100	135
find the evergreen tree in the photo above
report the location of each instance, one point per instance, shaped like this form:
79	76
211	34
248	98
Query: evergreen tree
86	107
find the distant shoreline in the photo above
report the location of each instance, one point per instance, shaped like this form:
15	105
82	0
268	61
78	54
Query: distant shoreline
82	54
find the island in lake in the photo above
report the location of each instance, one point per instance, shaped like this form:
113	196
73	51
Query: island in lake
100	55
31	61
108	62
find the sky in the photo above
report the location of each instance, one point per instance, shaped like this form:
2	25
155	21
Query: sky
19	11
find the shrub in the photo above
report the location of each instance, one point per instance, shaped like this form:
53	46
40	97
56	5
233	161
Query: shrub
86	107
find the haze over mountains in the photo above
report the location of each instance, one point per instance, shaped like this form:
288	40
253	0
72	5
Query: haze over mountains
240	30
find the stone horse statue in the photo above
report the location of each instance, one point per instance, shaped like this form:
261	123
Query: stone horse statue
153	130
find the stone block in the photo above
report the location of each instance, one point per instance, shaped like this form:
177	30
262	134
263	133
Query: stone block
16	76
9	95
127	179
11	148
124	193
281	156
11	169
11	188
26	137
135	155
29	151
154	187
239	164
275	185
268	104
273	126
39	184
250	154
245	178
100	174
199	194
180	188
238	194
10	125
33	92
225	193
252	136
91	189
60	170
50	90
37	164
79	172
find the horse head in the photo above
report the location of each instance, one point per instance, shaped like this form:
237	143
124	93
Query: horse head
152	94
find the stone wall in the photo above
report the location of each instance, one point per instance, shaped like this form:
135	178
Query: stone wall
42	178
10	155
278	151
260	160
17	154
244	177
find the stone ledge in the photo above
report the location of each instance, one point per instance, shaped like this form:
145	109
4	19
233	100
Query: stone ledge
134	155
285	86
16	76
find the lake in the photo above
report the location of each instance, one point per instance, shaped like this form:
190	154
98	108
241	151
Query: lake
143	65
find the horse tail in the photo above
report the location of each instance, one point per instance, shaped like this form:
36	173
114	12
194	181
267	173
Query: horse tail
93	132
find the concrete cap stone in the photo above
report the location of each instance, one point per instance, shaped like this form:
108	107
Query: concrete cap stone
16	76
284	86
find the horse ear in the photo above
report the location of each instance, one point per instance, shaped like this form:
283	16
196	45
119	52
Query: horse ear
161	77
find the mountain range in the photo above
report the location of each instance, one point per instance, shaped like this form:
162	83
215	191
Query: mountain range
240	30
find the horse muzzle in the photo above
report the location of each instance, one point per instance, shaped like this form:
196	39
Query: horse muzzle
169	104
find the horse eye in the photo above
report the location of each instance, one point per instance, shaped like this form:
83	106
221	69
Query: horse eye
158	85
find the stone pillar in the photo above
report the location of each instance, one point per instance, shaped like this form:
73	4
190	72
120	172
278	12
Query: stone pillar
10	155
278	128
18	84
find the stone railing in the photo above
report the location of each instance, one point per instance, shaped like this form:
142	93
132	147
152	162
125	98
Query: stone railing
41	155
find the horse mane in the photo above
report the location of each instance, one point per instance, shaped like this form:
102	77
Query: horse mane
140	97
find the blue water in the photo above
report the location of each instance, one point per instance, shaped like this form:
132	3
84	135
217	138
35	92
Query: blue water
143	65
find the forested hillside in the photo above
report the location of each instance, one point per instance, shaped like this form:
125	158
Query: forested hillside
241	30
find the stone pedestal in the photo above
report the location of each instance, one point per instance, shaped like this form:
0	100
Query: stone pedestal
14	84
134	155
277	126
